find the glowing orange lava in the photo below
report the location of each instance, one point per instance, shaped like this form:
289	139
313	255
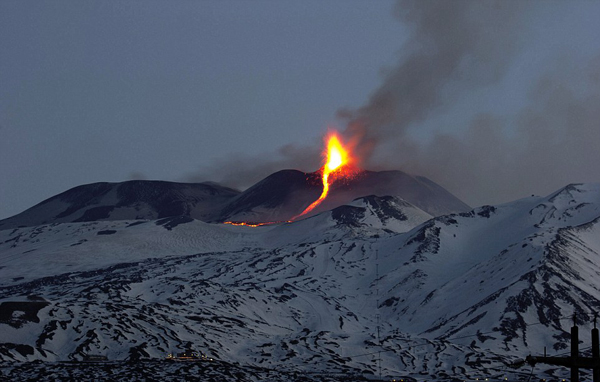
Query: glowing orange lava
339	163
337	160
248	224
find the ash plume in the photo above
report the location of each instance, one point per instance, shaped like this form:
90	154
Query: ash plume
554	143
456	49
463	46
242	170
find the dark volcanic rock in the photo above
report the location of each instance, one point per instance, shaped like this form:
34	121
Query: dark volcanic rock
348	215
107	232
17	313
285	194
132	200
279	197
170	223
416	190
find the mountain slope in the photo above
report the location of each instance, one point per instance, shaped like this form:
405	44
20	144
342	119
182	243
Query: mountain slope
456	296
131	200
287	193
278	197
59	248
533	260
417	190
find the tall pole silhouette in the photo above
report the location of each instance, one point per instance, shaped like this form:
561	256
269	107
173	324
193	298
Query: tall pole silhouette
575	362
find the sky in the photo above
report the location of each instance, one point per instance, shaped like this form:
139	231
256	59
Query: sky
492	100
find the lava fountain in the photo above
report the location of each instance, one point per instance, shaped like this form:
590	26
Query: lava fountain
337	165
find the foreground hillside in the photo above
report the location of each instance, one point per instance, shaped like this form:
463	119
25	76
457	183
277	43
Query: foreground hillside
375	285
161	370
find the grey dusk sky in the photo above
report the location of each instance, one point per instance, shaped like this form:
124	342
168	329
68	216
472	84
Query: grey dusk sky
493	100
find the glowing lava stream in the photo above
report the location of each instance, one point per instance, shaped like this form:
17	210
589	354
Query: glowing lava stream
247	224
337	157
338	161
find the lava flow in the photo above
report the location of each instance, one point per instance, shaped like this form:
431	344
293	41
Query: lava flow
250	224
338	161
338	164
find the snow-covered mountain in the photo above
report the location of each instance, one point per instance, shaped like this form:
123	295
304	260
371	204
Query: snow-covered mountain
131	200
278	197
377	282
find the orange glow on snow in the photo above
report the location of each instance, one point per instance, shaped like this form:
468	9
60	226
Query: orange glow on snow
248	224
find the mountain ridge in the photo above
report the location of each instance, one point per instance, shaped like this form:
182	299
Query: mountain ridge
452	296
278	197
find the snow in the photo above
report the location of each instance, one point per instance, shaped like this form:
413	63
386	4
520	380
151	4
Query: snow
455	295
76	247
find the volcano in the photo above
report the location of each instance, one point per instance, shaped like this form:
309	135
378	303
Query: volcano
278	197
131	200
375	284
287	193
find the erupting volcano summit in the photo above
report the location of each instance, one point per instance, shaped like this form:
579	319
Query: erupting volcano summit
338	164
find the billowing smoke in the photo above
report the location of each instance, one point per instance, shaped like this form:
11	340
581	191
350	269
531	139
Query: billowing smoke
457	49
461	47
554	141
241	170
454	45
